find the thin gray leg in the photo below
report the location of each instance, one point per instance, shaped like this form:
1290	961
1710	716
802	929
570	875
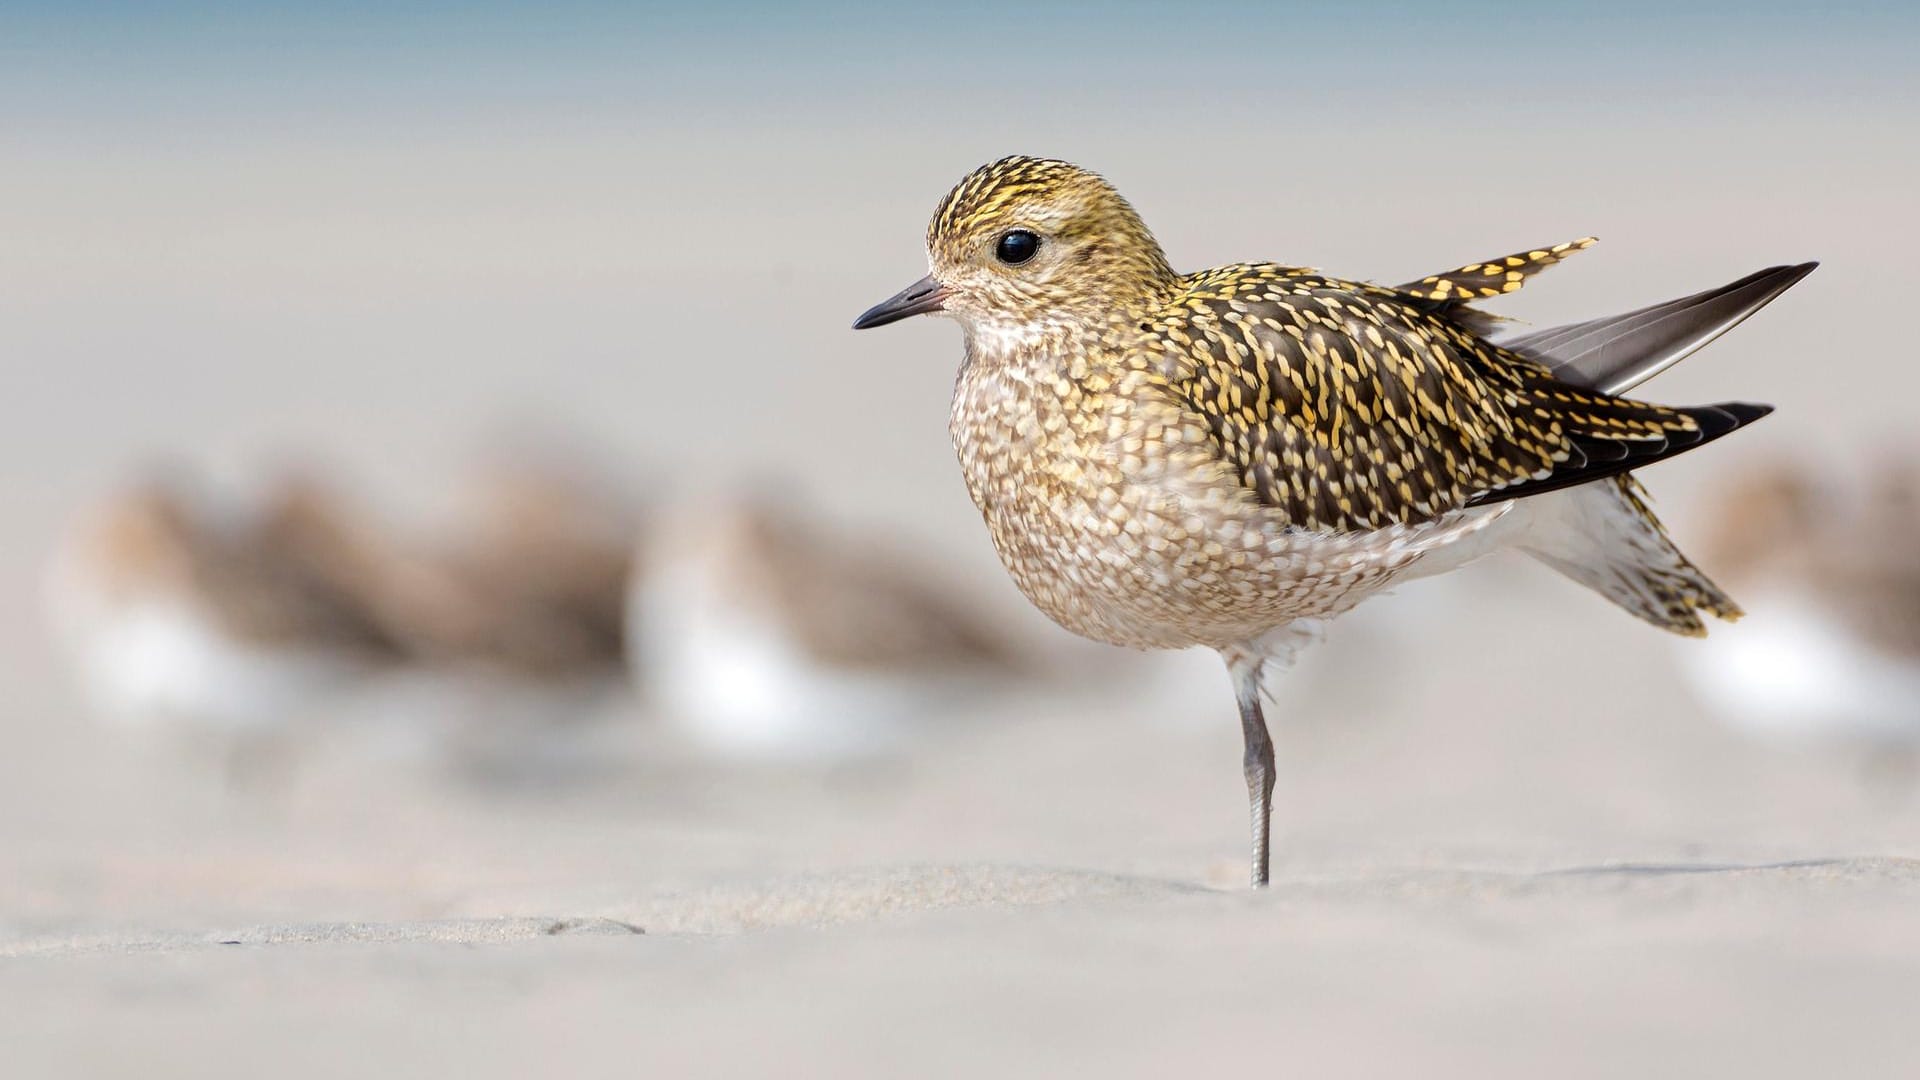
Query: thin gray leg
1258	765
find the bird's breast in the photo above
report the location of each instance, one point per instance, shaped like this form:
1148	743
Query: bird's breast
1114	514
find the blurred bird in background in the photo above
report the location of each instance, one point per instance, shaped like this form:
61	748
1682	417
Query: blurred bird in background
254	615
764	631
1825	564
555	539
179	612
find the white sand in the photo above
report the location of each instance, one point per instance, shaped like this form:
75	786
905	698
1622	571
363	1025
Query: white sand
1480	873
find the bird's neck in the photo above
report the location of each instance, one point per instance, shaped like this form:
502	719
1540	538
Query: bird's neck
996	343
1055	335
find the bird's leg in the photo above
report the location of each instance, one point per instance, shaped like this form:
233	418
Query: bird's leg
1258	763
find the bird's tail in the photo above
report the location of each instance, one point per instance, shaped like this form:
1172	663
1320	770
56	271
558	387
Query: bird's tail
1604	536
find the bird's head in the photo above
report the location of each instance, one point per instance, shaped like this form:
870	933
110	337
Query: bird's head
1025	243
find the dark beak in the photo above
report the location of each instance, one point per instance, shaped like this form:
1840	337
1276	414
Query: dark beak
916	299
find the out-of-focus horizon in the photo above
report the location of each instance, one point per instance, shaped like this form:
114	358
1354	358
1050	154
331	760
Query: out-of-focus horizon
365	242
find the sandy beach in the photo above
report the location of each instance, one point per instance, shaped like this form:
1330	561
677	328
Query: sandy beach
1490	885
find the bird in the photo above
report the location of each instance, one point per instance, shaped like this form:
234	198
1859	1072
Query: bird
1834	650
557	537
253	618
178	612
1230	458
765	633
528	588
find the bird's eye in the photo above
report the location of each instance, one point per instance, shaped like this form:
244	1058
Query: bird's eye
1016	247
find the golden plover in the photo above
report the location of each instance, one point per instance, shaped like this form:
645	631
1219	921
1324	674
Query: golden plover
1230	457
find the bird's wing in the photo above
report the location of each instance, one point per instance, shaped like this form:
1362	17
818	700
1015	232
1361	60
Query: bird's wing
1348	407
1482	280
1450	295
1618	352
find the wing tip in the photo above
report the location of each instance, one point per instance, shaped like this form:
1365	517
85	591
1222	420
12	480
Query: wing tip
1601	458
1746	412
1791	273
1725	417
1779	278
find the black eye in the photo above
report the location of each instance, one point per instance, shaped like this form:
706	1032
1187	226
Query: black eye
1017	247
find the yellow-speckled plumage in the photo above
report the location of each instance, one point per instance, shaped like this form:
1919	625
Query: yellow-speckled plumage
1494	277
1166	460
1219	458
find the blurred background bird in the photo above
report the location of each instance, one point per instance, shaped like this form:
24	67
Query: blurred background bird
266	611
1824	562
528	607
765	630
178	612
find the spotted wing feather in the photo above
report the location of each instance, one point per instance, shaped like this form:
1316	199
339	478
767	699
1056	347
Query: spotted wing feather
1495	277
1347	406
1450	295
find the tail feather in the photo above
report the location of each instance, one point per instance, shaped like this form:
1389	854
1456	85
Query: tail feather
1604	536
1600	532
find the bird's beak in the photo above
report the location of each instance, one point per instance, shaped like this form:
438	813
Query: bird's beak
916	299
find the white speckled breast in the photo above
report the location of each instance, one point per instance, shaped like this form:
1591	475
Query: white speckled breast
1116	518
